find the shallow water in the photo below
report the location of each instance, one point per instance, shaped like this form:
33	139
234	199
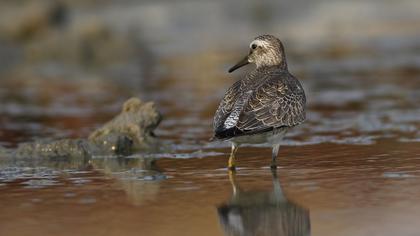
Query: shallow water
325	189
351	169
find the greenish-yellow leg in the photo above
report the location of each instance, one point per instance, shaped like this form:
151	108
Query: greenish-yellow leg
231	163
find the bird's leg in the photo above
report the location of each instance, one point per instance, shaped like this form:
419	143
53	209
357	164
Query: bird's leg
274	156
231	163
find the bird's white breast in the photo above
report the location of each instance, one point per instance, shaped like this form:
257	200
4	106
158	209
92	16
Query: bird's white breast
270	137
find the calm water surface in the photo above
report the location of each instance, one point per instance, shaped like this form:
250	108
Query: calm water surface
324	189
351	169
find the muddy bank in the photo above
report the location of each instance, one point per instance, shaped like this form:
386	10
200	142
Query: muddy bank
130	131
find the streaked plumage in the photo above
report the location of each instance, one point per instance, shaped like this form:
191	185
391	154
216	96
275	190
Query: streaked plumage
267	101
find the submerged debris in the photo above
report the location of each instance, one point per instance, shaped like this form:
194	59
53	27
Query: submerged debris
129	131
136	121
59	148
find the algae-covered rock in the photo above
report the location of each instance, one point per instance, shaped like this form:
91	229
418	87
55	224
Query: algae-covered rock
131	130
75	148
61	149
136	121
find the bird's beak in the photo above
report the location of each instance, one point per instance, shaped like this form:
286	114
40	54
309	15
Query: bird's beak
243	62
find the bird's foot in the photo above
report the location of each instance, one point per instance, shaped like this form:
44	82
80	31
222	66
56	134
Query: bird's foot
273	166
232	168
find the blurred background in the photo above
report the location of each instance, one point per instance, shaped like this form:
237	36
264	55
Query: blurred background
352	168
66	66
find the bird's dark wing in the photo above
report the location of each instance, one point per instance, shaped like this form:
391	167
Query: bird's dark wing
279	101
226	106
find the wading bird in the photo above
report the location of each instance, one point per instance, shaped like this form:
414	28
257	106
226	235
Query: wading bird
264	105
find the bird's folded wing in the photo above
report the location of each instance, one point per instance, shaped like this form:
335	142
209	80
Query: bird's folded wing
226	106
276	103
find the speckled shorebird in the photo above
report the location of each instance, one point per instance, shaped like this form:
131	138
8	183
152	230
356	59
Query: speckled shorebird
264	105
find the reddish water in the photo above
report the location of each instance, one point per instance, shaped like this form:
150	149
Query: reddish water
340	189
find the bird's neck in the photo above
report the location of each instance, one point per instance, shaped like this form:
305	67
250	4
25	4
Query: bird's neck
282	67
278	62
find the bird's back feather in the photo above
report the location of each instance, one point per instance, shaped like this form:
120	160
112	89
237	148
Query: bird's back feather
267	99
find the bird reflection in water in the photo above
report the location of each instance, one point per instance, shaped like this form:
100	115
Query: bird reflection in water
262	213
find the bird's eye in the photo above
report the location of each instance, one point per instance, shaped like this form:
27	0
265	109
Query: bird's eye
253	46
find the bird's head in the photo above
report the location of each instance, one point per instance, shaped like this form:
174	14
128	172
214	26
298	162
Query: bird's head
264	50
